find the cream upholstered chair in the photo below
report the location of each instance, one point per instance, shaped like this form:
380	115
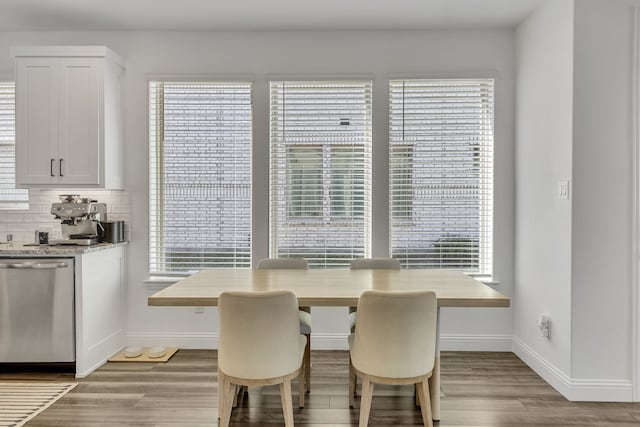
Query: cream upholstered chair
375	264
260	344
283	263
394	343
370	264
304	313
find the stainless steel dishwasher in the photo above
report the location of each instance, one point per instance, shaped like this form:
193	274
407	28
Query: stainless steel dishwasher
37	310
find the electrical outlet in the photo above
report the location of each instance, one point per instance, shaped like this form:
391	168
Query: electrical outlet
544	324
198	310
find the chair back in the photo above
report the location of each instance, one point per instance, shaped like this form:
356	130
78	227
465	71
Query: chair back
396	334
375	264
259	334
283	263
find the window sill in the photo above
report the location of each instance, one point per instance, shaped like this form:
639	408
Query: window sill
487	280
158	283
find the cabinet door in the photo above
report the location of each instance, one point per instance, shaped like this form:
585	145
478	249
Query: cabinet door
36	121
81	124
100	308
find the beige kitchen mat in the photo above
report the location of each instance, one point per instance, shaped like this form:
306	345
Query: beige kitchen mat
21	401
144	357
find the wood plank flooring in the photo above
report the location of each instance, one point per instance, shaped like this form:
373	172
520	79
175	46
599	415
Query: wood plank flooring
481	389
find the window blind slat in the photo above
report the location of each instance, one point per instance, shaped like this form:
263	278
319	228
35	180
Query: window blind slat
320	196
200	174
441	173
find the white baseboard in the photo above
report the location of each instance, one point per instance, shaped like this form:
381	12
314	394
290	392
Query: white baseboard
448	342
319	341
87	371
329	342
191	340
459	342
571	388
550	373
209	341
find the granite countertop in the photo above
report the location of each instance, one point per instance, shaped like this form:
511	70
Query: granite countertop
21	248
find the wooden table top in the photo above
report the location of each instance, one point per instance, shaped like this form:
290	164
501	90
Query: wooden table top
329	287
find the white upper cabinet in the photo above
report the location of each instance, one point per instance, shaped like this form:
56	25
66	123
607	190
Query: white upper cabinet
69	125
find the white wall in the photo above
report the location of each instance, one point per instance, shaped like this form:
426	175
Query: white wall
436	53
544	97
574	101
603	199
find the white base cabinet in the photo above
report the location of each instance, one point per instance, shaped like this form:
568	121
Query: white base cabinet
100	307
69	117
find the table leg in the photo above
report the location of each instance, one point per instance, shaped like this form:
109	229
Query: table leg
434	381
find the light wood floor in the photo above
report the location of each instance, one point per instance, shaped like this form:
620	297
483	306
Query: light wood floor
482	389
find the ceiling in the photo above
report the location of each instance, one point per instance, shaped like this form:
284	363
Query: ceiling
259	15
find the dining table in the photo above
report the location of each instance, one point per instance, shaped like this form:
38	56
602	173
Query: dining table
337	288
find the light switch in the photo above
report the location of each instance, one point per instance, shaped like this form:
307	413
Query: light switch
563	190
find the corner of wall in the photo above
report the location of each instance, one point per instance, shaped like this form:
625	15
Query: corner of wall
575	390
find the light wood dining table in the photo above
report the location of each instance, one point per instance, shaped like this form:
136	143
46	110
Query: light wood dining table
336	288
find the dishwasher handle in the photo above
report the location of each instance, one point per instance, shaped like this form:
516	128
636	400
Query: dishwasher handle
34	265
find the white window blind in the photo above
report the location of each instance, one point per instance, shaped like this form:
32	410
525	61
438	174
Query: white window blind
200	175
320	195
9	195
441	173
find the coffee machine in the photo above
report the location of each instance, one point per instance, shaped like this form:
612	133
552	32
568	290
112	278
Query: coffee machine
81	219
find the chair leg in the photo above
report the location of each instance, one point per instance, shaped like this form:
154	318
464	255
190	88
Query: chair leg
287	403
434	388
220	393
352	384
425	402
227	400
235	391
352	373
307	363
301	390
415	391
365	402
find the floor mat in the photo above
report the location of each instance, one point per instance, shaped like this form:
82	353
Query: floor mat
21	401
144	357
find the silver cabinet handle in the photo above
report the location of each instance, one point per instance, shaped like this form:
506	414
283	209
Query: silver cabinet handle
35	265
61	167
51	167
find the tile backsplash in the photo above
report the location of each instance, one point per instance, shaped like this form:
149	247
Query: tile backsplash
22	223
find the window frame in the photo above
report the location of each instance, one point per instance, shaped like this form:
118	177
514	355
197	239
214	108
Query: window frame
260	169
327	216
486	228
21	203
164	276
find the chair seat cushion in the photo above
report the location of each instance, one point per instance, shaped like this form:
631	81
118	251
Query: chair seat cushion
305	322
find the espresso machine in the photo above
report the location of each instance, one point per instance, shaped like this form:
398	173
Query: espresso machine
81	219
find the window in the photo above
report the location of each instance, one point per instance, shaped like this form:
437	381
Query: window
200	175
402	179
441	173
10	197
304	182
320	194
